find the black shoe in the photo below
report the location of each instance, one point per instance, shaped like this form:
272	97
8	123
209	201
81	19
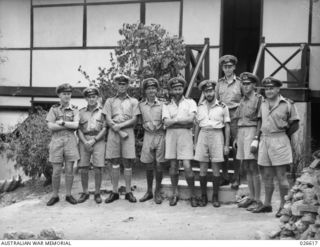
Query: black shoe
254	205
262	209
224	182
235	185
173	201
157	198
279	214
215	202
203	201
97	198
53	200
245	203
147	196
130	197
193	202
71	200
112	197
83	197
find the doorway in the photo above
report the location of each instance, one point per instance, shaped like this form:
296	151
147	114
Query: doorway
241	31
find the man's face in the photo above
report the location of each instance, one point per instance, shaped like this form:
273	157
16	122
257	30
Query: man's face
228	69
92	100
151	91
122	87
177	92
247	87
209	94
65	97
272	92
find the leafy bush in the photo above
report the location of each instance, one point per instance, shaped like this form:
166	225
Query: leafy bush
144	51
29	144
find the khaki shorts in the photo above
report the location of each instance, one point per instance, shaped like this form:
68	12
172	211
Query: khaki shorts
274	150
153	147
210	146
63	147
179	144
97	153
244	140
120	148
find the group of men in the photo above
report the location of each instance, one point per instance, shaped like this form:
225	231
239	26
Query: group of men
230	113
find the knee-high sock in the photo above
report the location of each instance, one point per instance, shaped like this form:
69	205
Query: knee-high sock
56	178
190	182
159	175
149	174
257	187
251	185
84	172
224	168
97	179
216	184
236	175
269	188
127	178
174	183
283	189
115	177
69	182
203	185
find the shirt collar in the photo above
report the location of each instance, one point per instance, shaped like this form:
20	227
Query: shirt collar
67	107
182	99
234	79
205	102
126	96
156	102
98	107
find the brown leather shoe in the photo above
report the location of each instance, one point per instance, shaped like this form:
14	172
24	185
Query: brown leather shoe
194	202
173	201
71	199
147	196
245	203
215	202
203	201
279	214
157	198
53	200
97	198
262	209
130	197
112	197
83	197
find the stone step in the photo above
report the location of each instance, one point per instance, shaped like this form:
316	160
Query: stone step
197	169
226	194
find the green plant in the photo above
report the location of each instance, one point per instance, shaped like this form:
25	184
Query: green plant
28	144
145	51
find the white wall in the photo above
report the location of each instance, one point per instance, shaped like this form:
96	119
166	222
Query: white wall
285	21
9	119
315	37
15	101
314	78
201	19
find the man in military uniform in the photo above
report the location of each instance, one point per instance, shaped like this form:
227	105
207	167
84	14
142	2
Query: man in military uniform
121	114
279	121
153	140
210	140
178	116
247	138
63	120
228	91
92	130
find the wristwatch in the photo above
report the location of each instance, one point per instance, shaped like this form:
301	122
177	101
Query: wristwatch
63	123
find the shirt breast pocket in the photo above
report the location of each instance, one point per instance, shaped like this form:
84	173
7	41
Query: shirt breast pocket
69	115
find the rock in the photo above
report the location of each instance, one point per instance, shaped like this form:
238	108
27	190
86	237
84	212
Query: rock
298	196
308	218
284	218
259	235
50	234
287	238
309	196
295	208
274	234
301	226
306	178
305	234
19	235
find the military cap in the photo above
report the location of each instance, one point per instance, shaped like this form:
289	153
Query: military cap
150	82
121	77
176	81
207	84
271	82
65	87
90	91
228	59
249	77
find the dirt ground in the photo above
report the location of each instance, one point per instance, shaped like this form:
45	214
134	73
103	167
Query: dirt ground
25	210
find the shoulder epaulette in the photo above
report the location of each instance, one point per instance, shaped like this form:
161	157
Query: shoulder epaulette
83	108
289	100
223	105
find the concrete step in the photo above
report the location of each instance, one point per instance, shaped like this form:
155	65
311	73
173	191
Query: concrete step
197	169
226	194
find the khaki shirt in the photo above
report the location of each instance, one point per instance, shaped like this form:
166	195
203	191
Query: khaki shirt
247	112
69	113
184	109
212	116
151	115
121	110
91	122
229	93
279	117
